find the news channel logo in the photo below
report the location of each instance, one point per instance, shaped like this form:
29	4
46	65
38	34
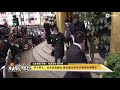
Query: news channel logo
19	67
108	15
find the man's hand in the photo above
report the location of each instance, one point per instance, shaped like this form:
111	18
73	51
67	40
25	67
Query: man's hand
72	37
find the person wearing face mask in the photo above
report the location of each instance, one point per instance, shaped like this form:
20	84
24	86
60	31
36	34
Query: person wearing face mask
68	32
58	42
80	26
52	25
51	29
47	30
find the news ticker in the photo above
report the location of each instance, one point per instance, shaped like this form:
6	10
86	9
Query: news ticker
38	66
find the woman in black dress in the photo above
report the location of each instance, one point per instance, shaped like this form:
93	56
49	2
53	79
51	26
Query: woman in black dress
58	42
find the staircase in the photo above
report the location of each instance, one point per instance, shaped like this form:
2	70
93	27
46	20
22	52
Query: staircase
42	53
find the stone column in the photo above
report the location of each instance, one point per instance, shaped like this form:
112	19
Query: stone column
57	19
61	16
115	33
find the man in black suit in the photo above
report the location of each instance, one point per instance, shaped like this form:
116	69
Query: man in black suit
47	30
80	26
75	54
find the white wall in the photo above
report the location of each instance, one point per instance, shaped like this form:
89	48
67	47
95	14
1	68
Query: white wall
26	18
37	15
9	18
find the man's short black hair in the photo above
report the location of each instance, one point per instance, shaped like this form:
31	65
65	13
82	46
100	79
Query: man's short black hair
67	20
76	16
55	28
46	19
79	37
50	20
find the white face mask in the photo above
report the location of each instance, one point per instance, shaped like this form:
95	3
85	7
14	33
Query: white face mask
56	33
5	40
11	43
67	24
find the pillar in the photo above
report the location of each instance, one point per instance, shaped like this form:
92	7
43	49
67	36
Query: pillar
60	17
115	33
57	19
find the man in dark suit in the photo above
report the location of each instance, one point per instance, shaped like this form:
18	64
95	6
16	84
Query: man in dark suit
68	32
79	26
47	30
75	54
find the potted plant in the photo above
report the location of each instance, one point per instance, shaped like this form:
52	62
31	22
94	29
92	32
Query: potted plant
99	29
112	61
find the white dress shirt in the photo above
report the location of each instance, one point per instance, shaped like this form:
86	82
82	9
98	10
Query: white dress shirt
78	45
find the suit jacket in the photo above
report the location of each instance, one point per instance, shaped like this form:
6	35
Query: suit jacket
75	55
72	28
79	26
47	28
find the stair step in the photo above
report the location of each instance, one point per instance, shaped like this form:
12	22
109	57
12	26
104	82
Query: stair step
49	46
36	56
43	54
47	50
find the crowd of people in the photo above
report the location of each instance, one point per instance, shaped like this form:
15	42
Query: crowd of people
75	38
19	40
58	39
23	38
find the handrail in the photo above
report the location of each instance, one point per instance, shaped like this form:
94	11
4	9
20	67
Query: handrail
4	67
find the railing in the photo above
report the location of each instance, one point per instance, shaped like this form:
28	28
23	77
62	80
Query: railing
8	60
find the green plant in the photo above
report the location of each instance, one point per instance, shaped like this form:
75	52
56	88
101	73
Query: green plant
99	28
113	63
